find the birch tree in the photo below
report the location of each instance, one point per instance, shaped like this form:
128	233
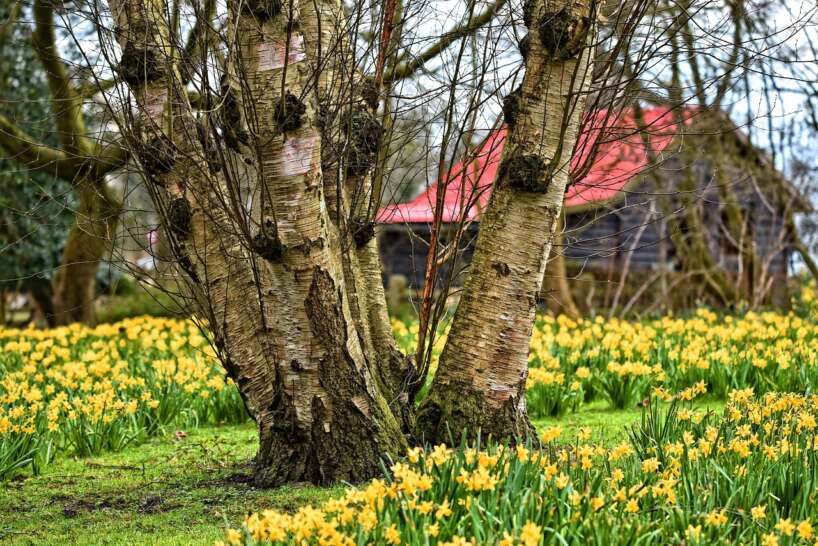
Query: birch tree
262	140
480	381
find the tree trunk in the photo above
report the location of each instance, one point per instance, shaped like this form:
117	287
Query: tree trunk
556	290
799	246
89	239
691	240
268	265
685	227
479	386
41	292
329	419
353	201
737	224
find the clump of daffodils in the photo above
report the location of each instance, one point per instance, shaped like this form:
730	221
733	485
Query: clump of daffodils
746	476
86	390
624	362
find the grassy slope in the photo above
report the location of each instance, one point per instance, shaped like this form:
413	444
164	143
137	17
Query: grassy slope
182	488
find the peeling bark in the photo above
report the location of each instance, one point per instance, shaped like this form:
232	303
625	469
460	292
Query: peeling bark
285	326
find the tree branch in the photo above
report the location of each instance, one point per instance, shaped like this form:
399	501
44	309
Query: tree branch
66	103
800	247
89	89
732	62
409	67
692	59
37	156
34	154
78	157
194	38
108	155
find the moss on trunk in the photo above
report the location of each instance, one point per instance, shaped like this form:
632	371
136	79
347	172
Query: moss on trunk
457	411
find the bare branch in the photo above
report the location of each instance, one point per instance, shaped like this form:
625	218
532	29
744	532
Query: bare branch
89	89
33	154
407	68
40	157
66	103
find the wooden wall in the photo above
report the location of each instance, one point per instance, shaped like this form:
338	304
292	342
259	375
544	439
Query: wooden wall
633	230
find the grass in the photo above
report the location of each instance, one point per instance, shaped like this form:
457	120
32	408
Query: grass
179	489
609	426
183	488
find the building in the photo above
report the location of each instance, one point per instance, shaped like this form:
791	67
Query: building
618	206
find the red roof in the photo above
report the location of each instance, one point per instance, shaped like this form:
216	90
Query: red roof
619	157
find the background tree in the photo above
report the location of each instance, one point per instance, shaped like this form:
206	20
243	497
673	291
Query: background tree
727	60
79	160
34	208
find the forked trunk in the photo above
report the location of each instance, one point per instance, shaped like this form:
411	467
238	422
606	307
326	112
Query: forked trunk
88	241
479	386
262	255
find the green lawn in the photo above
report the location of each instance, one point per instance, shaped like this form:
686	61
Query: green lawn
609	427
173	490
181	489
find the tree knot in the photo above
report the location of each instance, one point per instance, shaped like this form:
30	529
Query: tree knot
501	268
266	243
233	130
364	132
179	217
526	172
139	65
289	112
362	231
562	33
209	147
263	10
512	106
158	156
186	265
369	94
525	46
